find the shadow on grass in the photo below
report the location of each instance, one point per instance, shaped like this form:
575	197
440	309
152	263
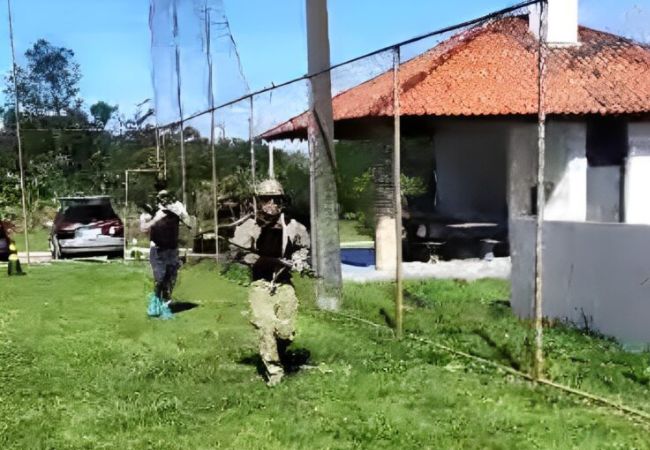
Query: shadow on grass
292	360
503	353
179	307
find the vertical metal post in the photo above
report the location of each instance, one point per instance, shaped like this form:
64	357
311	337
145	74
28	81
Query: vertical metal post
313	214
180	104
215	209
271	163
253	168
126	210
157	131
18	137
252	142
538	363
398	195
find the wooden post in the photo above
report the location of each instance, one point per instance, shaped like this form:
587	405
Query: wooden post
538	363
398	195
320	132
18	138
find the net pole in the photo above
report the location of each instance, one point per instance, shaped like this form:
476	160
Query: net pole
213	155
157	131
538	363
126	209
180	105
313	214
252	149
399	288
18	136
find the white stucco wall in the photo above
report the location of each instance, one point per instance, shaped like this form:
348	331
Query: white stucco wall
637	174
566	169
471	168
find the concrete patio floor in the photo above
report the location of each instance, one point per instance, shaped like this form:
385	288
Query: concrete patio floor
467	269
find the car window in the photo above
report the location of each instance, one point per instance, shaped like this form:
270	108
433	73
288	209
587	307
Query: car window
88	213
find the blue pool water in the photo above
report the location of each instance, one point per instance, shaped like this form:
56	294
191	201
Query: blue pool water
360	257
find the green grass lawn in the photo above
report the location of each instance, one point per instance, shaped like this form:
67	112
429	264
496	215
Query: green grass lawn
82	367
349	232
38	240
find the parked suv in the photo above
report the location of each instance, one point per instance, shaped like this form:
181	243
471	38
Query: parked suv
86	226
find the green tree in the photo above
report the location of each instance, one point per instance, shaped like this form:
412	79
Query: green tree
102	112
48	89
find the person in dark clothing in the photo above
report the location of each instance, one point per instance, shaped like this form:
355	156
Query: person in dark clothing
163	229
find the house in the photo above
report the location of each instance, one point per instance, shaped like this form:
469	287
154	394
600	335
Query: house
476	96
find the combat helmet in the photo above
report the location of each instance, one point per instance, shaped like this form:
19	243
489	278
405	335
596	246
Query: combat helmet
270	188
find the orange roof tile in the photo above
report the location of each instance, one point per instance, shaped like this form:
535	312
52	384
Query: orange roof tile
491	70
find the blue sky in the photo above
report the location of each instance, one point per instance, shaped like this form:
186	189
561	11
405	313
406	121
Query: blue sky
112	42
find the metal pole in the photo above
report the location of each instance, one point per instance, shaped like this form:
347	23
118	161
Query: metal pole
126	209
250	137
183	173
313	215
180	105
271	168
157	148
253	174
538	364
215	208
18	138
398	195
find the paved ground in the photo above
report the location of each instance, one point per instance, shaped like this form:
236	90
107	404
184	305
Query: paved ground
460	269
35	257
469	269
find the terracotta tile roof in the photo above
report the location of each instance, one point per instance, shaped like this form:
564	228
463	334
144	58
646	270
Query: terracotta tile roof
491	70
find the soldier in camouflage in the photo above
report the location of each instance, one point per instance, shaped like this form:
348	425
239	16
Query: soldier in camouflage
273	246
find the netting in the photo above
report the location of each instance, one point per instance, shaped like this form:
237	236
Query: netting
454	123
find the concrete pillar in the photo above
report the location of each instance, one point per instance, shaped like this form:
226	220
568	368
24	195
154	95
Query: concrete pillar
603	193
566	171
385	232
522	176
324	221
522	164
637	174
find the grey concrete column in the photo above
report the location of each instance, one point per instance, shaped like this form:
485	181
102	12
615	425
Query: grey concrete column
325	228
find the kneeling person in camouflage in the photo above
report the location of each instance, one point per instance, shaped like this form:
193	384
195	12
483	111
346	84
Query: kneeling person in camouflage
273	246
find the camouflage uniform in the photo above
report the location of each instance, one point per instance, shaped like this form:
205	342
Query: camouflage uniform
272	248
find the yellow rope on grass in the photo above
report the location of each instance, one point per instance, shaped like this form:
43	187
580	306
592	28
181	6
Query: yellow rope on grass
592	397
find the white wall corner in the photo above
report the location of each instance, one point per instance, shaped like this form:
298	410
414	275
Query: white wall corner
637	174
560	26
